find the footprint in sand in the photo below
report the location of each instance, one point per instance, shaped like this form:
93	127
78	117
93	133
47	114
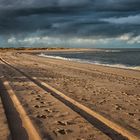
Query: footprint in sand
114	97
62	123
62	131
118	107
37	98
41	116
102	102
48	110
84	99
65	123
94	91
42	102
124	93
131	114
37	106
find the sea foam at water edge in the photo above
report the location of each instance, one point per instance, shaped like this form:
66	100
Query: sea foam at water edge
91	62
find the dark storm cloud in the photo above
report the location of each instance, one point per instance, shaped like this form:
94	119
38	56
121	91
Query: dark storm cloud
117	5
70	18
96	4
14	4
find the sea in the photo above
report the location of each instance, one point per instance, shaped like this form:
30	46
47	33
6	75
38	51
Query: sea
122	58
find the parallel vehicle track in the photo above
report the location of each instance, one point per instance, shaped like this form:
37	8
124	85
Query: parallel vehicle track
112	129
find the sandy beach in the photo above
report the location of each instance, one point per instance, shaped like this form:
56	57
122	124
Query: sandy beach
114	93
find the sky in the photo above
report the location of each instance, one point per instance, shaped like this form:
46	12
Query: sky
70	23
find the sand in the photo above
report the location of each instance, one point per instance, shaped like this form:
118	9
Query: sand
112	92
4	129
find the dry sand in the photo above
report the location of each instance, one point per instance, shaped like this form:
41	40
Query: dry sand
113	92
4	129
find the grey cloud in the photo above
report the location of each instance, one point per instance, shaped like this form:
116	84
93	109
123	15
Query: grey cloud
92	4
83	18
117	5
16	4
132	19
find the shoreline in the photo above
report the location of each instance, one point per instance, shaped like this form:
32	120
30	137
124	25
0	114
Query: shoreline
97	67
32	50
38	51
119	66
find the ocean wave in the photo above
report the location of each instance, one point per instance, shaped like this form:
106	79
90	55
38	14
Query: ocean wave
121	66
91	62
112	50
58	57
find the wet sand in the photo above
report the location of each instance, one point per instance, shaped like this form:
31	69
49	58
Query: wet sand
112	92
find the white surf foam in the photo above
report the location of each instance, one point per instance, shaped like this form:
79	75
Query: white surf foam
112	51
91	62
